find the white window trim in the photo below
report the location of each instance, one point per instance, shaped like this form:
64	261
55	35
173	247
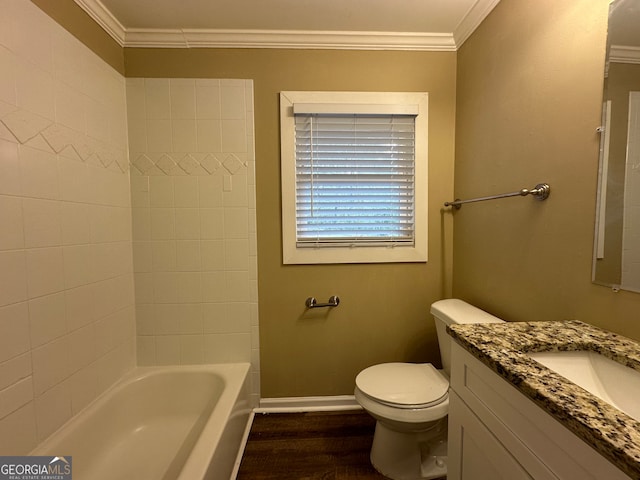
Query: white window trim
353	102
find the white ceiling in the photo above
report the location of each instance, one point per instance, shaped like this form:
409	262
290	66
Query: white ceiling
364	24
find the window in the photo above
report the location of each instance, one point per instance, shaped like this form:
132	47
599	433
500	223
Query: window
354	177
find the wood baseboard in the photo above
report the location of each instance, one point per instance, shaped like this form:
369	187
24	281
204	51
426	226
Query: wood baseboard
308	404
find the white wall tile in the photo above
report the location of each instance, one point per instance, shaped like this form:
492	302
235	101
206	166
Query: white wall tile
189	287
8	77
142	257
74	180
74	215
38	173
14	370
158	98
144	288
18	433
237	286
232	102
183	98
10	171
214	287
97	119
207	99
201	275
188	257
141	224
41	223
227	348
164	255
15	396
159	135
32	44
184	136
14	331
83	387
190	319
187	223
186	191
212	255
161	191
45	271
209	135
35	90
50	364
165	287
13	281
236	222
70	107
146	348
236	254
212	223
210	191
168	350
12	232
47	318
53	408
137	129
80	307
68	59
76	265
191	349
135	98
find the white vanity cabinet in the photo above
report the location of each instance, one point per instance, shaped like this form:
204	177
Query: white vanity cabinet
495	432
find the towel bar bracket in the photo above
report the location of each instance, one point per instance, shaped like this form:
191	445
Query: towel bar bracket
311	302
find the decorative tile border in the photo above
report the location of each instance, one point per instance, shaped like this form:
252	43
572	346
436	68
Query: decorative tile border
195	164
28	128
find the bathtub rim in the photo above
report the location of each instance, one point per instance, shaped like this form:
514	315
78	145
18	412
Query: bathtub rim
235	377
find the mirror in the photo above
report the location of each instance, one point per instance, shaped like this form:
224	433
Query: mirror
616	261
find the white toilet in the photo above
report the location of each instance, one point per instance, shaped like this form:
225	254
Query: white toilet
410	403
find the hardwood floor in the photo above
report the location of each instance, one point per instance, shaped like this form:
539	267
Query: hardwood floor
309	446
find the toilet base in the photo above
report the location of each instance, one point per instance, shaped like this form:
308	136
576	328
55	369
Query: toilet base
410	455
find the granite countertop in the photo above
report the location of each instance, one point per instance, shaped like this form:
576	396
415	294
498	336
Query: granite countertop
503	346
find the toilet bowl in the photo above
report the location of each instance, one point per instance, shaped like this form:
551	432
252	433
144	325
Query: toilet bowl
411	401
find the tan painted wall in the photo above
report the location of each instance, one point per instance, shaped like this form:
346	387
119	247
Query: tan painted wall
384	310
529	97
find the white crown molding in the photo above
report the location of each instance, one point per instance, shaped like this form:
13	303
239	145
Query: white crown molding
187	38
343	40
103	17
624	54
474	17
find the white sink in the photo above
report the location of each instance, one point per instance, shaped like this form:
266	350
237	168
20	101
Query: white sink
608	380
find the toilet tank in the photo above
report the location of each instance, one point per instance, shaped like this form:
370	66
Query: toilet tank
452	311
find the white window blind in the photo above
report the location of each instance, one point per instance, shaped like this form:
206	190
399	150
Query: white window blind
354	179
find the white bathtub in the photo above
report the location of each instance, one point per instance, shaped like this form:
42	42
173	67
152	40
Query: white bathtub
160	423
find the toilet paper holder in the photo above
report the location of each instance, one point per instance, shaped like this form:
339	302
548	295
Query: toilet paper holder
311	302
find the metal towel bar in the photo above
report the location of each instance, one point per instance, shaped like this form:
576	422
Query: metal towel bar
311	302
541	192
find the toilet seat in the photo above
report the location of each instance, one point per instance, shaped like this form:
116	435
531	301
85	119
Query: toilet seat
404	385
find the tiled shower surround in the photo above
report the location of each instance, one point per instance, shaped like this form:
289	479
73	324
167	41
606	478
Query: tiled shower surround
194	239
68	248
67	315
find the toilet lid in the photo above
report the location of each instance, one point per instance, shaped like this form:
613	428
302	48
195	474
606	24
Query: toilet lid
405	385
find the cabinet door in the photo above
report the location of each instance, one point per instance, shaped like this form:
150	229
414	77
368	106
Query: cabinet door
474	453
